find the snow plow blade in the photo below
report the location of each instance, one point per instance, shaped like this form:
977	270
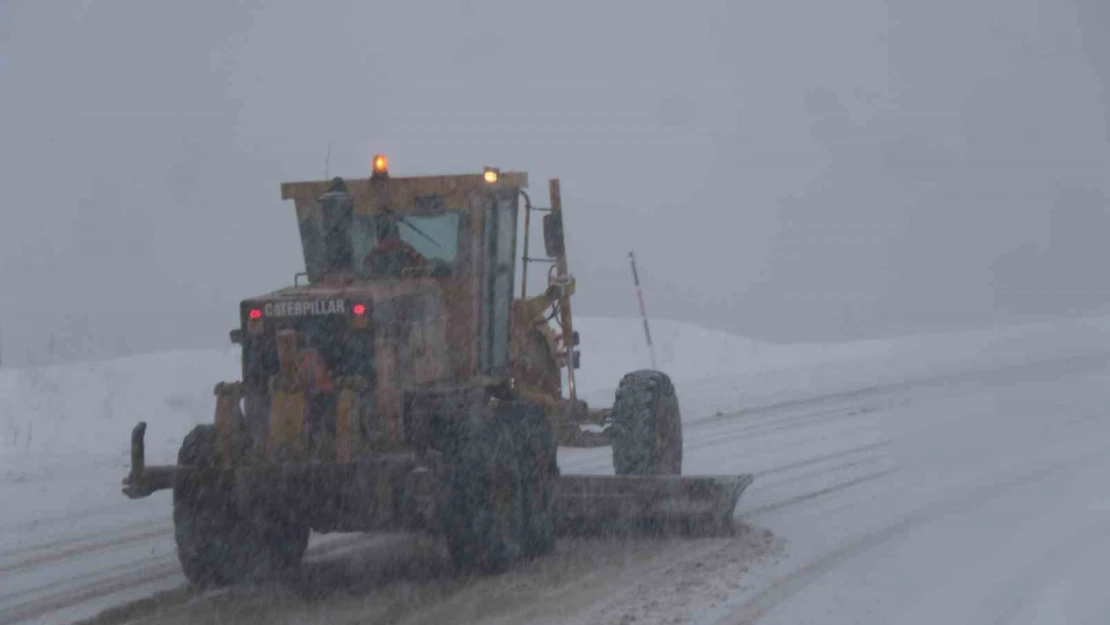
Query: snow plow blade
588	504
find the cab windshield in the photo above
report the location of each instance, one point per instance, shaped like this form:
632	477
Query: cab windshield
382	245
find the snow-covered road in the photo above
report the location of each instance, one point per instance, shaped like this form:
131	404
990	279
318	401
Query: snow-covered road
979	501
966	493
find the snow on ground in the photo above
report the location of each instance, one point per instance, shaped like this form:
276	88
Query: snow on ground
826	428
976	501
719	372
81	415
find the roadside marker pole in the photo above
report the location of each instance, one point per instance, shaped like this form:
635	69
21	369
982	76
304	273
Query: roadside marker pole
643	311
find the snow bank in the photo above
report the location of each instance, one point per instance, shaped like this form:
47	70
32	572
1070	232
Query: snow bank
82	414
717	372
85	411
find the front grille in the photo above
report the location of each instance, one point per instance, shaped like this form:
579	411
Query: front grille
346	351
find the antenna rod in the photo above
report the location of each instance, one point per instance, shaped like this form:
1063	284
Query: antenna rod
327	161
643	311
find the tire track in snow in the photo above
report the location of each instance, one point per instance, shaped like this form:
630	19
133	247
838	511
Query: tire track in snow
702	439
792	423
745	423
816	467
83	546
335	545
792	583
59	586
53	519
794	478
769	417
87	536
1071	360
100	587
853	458
70	592
60	594
821	492
823	458
851	410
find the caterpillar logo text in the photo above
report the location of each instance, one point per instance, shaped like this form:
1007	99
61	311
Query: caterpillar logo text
312	308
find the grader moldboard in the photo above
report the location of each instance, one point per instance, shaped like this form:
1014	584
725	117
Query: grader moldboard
404	386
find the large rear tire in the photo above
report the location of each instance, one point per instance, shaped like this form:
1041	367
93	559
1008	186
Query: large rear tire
646	431
216	545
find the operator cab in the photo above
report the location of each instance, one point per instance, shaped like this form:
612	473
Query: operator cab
338	241
428	261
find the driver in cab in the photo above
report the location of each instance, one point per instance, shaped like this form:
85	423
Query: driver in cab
391	254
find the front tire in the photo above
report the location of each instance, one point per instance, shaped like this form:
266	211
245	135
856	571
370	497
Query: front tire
483	514
540	469
216	545
646	431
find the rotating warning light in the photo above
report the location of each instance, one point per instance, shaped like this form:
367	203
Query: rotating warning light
380	165
491	175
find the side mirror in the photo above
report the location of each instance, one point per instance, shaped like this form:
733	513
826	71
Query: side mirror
236	336
553	234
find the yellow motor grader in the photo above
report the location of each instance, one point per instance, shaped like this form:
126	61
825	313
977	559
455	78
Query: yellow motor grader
402	383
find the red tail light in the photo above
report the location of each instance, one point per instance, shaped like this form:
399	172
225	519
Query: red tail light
255	313
359	309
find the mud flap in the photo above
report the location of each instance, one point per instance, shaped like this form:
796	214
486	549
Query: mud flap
600	503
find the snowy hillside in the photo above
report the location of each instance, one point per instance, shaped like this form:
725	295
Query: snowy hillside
75	414
719	372
89	408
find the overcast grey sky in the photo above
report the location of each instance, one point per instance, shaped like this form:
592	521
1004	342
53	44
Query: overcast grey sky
804	170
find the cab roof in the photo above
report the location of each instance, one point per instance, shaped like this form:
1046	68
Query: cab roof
368	193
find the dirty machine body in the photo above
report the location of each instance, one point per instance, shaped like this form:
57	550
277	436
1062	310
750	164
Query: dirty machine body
404	382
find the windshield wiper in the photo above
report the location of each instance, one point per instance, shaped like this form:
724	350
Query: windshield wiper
402	219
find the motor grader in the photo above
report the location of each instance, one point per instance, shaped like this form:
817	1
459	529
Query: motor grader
402	383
